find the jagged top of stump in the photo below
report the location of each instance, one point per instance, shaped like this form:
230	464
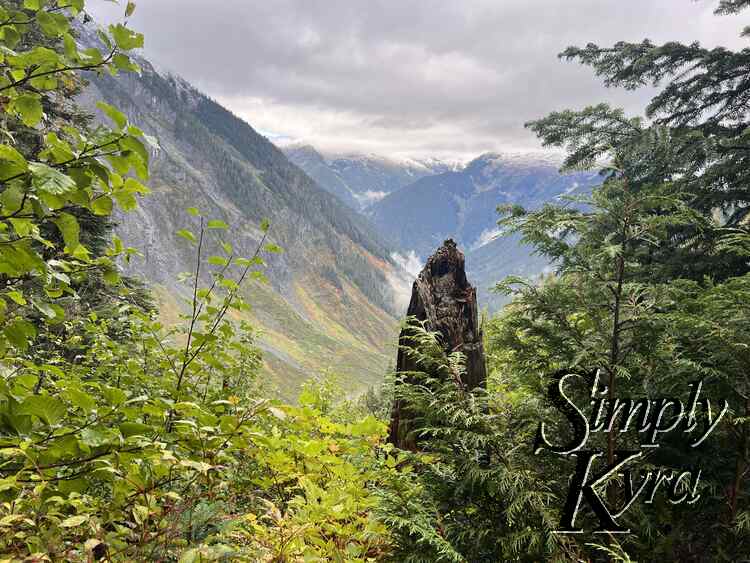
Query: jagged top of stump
446	260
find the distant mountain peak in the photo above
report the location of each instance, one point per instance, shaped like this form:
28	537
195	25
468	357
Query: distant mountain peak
518	158
361	179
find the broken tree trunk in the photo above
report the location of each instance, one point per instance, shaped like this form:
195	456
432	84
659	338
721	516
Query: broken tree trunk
444	300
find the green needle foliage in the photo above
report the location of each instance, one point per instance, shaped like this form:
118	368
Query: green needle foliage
650	284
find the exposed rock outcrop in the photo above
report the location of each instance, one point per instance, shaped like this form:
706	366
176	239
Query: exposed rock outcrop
444	300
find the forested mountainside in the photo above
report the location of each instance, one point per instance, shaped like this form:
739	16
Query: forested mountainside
332	297
361	180
461	204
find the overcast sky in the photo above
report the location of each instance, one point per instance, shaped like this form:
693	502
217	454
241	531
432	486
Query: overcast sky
401	77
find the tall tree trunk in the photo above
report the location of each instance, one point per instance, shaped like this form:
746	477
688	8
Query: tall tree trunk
445	301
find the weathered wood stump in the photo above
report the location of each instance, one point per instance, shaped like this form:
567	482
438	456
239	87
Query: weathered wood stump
445	301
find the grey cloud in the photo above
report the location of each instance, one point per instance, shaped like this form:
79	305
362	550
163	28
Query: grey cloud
407	77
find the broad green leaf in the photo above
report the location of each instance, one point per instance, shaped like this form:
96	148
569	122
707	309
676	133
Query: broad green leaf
113	395
114	114
74	521
265	224
102	205
49	180
52	24
111	276
29	109
24	227
134	186
70	230
125	63
10	38
12	162
45	308
128	429
19	332
49	409
16	296
59	150
80	399
125	199
11	199
126	39
97	436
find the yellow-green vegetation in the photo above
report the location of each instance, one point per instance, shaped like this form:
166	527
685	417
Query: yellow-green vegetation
304	343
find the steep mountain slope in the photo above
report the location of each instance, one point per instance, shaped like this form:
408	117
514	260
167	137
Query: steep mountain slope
462	205
361	180
333	292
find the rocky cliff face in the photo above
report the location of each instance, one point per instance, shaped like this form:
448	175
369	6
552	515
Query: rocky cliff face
331	302
444	300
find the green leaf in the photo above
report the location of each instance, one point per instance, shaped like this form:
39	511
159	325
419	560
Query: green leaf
49	180
113	395
23	227
16	296
265	224
45	308
217	224
128	429
111	276
70	230
29	109
134	145
80	399
126	39
274	248
125	63
102	205
134	186
98	436
74	521
184	233
130	9
19	333
125	199
193	211
9	36
114	114
218	260
31	4
52	25
49	409
12	163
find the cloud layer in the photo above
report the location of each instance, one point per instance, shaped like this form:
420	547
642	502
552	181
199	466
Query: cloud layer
413	78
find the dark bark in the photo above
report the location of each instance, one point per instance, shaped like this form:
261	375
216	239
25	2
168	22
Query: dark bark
445	301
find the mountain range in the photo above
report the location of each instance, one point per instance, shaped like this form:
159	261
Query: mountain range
335	291
361	180
455	201
355	228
